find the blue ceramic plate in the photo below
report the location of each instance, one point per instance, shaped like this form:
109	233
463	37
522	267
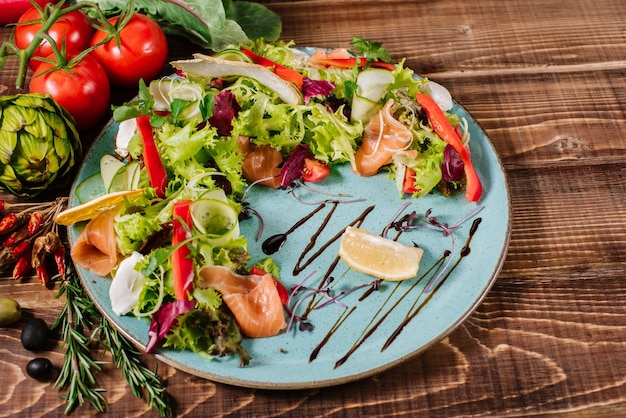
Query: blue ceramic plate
360	336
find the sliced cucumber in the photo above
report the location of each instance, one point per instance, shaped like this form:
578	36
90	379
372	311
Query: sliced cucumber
363	109
109	166
372	85
232	54
90	188
216	219
165	91
215	194
134	174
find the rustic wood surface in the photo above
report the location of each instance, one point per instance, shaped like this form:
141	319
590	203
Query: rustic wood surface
546	80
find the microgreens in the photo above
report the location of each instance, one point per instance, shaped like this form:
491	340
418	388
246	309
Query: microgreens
300	293
414	221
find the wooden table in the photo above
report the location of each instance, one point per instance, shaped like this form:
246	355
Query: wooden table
547	81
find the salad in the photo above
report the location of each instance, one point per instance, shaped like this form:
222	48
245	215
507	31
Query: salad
165	208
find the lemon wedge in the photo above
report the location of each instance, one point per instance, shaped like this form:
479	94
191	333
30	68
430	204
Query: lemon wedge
95	207
378	256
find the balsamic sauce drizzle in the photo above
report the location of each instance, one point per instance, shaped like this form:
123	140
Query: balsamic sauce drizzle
373	324
465	251
356	222
344	315
382	319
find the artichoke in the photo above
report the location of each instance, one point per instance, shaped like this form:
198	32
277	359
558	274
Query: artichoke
39	144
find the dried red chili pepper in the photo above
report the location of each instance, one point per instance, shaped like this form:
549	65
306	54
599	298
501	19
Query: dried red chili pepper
22	266
20	248
52	242
42	275
59	259
15	237
34	222
38	253
2	205
6	258
8	222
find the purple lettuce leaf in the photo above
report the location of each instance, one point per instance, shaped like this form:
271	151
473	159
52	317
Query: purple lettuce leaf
225	110
452	168
312	88
293	165
164	319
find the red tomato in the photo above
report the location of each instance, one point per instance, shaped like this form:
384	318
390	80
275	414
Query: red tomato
142	52
72	29
11	10
408	185
82	90
314	170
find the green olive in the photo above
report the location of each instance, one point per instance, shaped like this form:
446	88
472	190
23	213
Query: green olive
10	311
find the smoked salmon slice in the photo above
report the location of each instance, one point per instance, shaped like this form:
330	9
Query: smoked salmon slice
263	163
96	248
383	136
253	300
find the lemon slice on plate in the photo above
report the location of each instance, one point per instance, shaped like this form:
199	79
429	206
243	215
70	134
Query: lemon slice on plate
378	256
95	207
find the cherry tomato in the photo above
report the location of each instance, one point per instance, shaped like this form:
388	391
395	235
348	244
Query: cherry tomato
11	10
314	170
408	185
82	90
72	29
141	54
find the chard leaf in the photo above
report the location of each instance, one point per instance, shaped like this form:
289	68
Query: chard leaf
256	20
203	22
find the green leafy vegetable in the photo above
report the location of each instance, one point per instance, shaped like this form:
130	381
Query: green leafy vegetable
371	50
211	24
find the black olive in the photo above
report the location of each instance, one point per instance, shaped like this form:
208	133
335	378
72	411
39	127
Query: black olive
35	334
39	368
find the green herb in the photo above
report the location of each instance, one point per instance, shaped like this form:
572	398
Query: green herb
81	323
140	379
77	375
211	24
371	50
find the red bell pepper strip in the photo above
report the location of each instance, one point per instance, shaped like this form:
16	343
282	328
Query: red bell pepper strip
152	159
287	74
358	61
182	262
442	127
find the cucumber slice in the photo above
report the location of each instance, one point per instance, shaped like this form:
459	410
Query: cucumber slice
216	219
119	183
363	109
165	91
134	173
232	54
90	188
371	87
373	82
109	166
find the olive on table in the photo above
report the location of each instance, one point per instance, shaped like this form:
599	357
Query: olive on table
10	311
39	368
34	334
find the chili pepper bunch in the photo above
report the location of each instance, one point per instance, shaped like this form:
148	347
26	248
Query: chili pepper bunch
29	236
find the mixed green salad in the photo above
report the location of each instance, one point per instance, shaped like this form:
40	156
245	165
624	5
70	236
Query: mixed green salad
260	115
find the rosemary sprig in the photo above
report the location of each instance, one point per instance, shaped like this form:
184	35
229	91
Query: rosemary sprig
77	375
81	326
139	377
